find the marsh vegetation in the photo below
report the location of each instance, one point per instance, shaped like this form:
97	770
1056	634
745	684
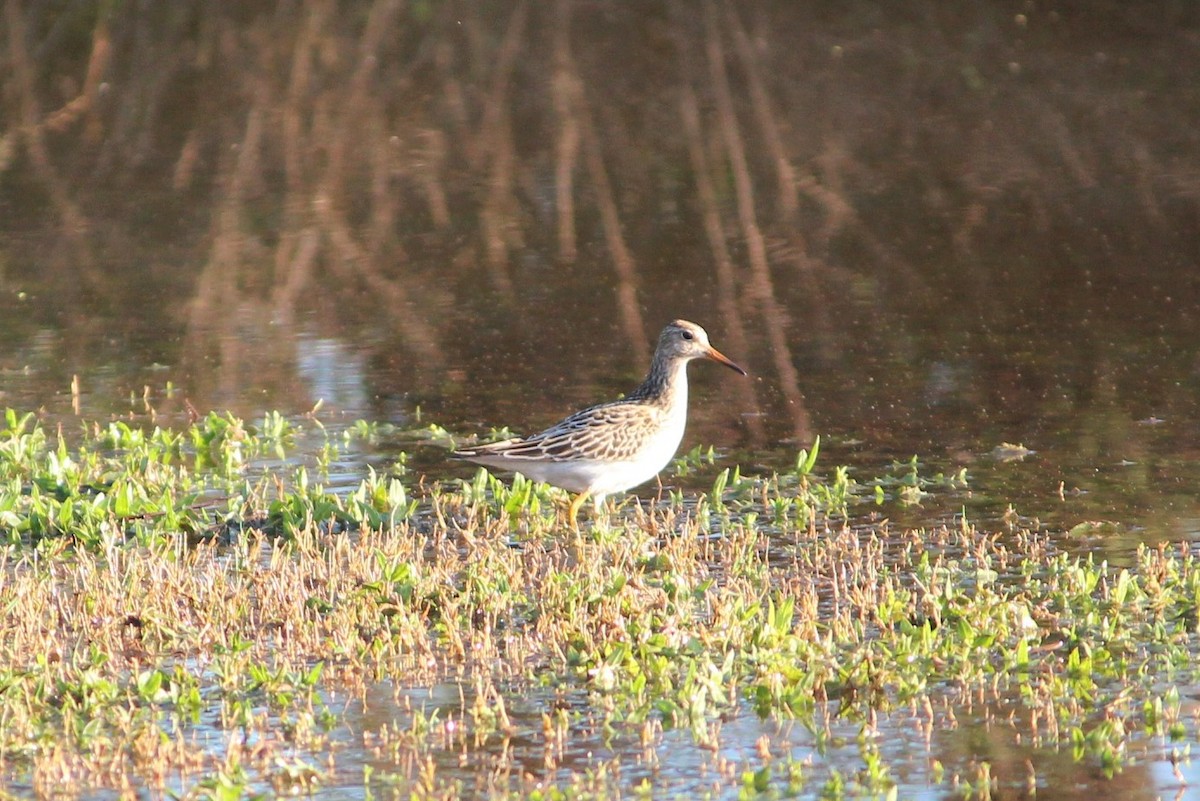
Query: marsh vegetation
259	260
188	614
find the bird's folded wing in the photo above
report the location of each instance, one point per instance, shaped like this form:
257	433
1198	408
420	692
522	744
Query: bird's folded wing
610	432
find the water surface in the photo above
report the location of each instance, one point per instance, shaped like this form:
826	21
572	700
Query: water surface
926	231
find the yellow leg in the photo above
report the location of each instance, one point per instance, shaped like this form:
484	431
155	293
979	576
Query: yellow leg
574	511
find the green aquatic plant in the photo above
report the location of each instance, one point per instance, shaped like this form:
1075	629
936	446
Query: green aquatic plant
150	591
907	484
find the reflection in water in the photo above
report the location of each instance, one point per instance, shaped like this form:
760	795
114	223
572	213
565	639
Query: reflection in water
331	372
453	188
924	228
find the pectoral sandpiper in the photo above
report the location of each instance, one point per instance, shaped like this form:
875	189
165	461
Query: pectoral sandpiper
614	446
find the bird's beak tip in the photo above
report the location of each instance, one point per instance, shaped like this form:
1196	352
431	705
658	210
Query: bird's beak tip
717	356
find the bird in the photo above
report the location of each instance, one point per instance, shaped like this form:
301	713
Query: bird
615	446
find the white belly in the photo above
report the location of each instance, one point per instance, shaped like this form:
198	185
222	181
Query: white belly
649	462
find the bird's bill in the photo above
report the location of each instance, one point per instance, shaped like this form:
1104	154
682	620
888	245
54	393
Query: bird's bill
717	356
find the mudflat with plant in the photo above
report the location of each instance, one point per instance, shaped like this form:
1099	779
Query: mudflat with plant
965	231
190	611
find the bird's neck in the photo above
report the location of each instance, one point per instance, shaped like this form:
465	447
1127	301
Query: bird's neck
666	384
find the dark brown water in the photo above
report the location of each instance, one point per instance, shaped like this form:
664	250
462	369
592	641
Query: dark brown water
928	229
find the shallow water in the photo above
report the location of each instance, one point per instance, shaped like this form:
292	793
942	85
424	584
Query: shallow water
479	215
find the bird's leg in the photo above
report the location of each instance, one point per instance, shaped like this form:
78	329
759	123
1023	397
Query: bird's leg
601	509
573	513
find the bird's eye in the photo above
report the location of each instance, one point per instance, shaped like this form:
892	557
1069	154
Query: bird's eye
688	335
